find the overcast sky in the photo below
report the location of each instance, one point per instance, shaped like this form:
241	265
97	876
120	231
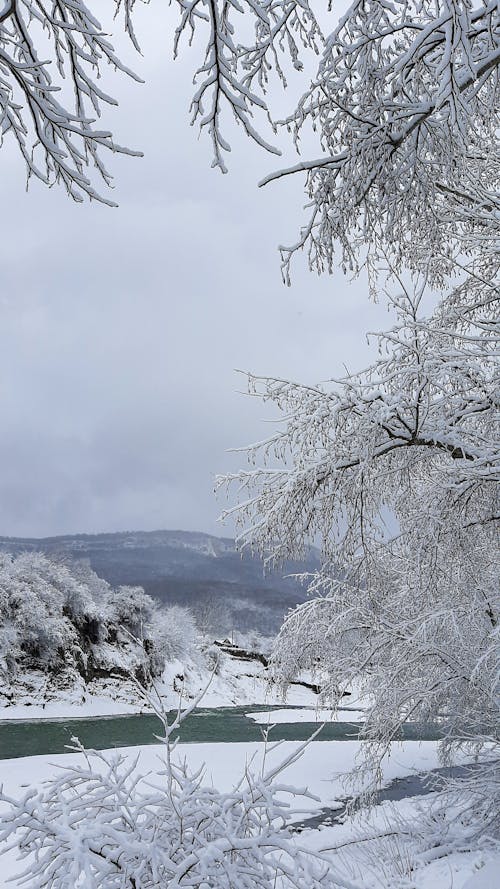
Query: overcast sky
121	328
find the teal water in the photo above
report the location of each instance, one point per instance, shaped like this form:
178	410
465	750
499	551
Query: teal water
222	725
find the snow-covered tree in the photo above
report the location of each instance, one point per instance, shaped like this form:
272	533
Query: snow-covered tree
61	619
214	618
395	470
174	632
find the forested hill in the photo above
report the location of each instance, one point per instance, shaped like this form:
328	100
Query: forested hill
183	567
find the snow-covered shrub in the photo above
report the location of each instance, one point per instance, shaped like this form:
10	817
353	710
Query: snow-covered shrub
174	633
100	825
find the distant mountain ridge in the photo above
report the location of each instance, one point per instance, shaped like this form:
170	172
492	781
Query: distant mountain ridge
196	540
184	567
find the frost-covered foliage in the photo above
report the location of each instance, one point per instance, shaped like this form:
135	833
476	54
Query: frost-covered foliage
401	105
396	471
101	825
64	620
405	104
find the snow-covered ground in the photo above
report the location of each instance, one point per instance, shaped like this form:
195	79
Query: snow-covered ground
396	845
307	714
384	848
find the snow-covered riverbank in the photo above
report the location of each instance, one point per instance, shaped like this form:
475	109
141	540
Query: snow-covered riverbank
386	847
235	682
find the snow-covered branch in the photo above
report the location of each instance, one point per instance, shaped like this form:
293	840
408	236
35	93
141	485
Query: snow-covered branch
235	75
405	103
43	44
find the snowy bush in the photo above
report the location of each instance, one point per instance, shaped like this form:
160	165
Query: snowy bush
101	825
174	632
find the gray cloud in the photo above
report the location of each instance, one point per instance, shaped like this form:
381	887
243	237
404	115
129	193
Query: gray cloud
121	328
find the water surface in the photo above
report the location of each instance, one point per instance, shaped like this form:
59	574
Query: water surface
221	725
